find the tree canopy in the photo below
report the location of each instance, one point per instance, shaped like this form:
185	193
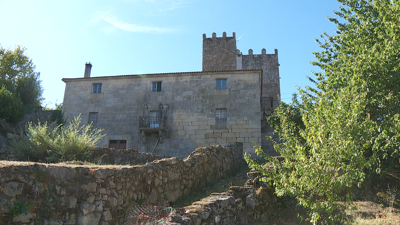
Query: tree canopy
18	77
333	136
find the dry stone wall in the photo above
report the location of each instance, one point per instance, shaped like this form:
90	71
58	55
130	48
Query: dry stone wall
76	194
239	206
107	156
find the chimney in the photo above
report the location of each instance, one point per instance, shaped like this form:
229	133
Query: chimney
88	69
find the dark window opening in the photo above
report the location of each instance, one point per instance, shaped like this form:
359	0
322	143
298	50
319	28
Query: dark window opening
156	87
272	102
117	144
97	88
220	119
221	83
93	116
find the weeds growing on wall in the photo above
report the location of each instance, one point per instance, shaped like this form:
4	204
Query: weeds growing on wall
149	214
18	207
55	143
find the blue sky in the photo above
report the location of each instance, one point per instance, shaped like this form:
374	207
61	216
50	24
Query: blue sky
158	36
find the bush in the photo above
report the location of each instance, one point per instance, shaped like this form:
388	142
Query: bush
55	143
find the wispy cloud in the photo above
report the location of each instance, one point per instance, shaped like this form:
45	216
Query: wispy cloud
164	5
115	22
172	4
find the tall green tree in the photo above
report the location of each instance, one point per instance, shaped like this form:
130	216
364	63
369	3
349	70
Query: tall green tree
18	76
349	123
12	109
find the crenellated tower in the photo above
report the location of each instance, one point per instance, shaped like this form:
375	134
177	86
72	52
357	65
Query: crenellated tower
220	53
270	83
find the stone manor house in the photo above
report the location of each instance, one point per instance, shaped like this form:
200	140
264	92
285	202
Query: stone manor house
171	114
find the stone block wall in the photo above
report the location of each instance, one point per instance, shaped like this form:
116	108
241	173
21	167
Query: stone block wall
75	194
270	91
219	53
188	100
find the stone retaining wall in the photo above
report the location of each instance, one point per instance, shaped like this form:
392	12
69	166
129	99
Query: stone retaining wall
107	156
239	206
76	194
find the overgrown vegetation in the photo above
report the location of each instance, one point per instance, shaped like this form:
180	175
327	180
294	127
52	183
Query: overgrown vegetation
19	207
149	214
20	89
57	116
336	135
55	143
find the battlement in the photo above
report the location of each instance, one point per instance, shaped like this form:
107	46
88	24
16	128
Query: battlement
263	52
214	36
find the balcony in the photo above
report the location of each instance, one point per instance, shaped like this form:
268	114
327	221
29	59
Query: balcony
152	124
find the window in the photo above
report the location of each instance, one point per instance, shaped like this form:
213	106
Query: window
117	144
154	119
96	88
156	87
221	83
93	117
220	119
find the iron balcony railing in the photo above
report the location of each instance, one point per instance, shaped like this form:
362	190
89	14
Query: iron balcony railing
152	122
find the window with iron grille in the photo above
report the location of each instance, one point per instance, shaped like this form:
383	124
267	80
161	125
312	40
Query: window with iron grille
156	86
117	144
220	119
221	83
93	117
155	118
97	88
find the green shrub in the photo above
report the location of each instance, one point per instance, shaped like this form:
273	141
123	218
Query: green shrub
52	143
18	207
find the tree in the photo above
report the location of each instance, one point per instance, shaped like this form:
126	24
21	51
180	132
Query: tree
349	126
18	76
11	109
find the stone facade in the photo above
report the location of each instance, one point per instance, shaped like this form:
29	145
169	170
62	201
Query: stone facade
220	53
83	195
187	103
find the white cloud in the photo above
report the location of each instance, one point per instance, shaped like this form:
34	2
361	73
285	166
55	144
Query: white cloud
173	4
165	5
133	27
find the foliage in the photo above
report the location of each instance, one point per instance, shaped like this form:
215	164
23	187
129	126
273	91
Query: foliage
18	207
11	109
57	115
347	127
55	143
149	214
18	76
